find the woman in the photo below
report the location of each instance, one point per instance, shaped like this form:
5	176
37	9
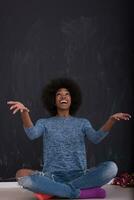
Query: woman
65	172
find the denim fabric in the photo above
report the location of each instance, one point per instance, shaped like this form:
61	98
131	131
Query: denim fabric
68	184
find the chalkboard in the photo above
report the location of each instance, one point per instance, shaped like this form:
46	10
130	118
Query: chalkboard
87	41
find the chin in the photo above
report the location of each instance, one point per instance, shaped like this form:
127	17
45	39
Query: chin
64	108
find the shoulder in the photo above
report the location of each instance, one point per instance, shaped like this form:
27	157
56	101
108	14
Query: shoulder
46	120
43	120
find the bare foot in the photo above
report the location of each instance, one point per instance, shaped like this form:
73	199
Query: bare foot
23	172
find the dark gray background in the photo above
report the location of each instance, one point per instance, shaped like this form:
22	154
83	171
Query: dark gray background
89	41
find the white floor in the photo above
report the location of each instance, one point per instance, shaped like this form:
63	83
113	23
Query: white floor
16	193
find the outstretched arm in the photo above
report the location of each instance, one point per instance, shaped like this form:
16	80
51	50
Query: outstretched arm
99	135
16	106
113	119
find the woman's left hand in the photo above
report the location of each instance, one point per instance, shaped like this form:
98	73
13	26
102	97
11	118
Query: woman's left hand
120	116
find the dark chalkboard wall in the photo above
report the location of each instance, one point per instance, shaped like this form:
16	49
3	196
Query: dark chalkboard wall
89	41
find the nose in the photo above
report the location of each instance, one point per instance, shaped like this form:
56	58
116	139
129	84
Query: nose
63	96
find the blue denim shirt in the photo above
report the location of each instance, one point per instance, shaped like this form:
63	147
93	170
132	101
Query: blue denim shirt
63	142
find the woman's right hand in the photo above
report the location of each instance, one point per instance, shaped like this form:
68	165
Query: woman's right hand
16	106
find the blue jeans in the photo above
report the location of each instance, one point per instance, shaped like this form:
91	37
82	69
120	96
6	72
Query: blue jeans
69	184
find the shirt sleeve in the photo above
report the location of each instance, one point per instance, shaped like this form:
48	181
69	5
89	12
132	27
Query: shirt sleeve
36	130
93	135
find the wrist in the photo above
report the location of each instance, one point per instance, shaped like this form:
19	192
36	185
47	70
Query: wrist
25	109
112	119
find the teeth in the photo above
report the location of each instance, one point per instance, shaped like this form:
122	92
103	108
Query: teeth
63	101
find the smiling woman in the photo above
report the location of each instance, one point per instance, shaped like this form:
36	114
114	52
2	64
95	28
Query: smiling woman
65	172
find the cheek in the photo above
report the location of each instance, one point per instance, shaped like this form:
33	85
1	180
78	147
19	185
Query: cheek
69	99
56	100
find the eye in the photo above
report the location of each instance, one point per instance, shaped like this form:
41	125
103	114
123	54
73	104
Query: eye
57	94
68	93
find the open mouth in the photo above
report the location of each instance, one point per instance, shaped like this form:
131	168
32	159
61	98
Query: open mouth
63	102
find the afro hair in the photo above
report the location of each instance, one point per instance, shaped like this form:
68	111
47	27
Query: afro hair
49	94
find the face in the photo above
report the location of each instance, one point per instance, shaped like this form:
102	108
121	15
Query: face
63	99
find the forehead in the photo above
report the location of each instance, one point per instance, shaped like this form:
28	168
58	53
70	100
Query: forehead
62	90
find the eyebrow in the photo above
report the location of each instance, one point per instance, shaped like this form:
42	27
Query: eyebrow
67	92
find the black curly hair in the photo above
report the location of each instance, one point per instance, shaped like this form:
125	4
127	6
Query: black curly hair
49	94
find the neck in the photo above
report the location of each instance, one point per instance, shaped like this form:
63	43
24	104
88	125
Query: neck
63	113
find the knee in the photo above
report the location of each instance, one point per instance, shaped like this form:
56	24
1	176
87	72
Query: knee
112	168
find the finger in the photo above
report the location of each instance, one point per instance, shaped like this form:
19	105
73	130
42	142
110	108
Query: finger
116	118
127	115
27	110
126	118
16	110
123	116
12	107
11	102
24	109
